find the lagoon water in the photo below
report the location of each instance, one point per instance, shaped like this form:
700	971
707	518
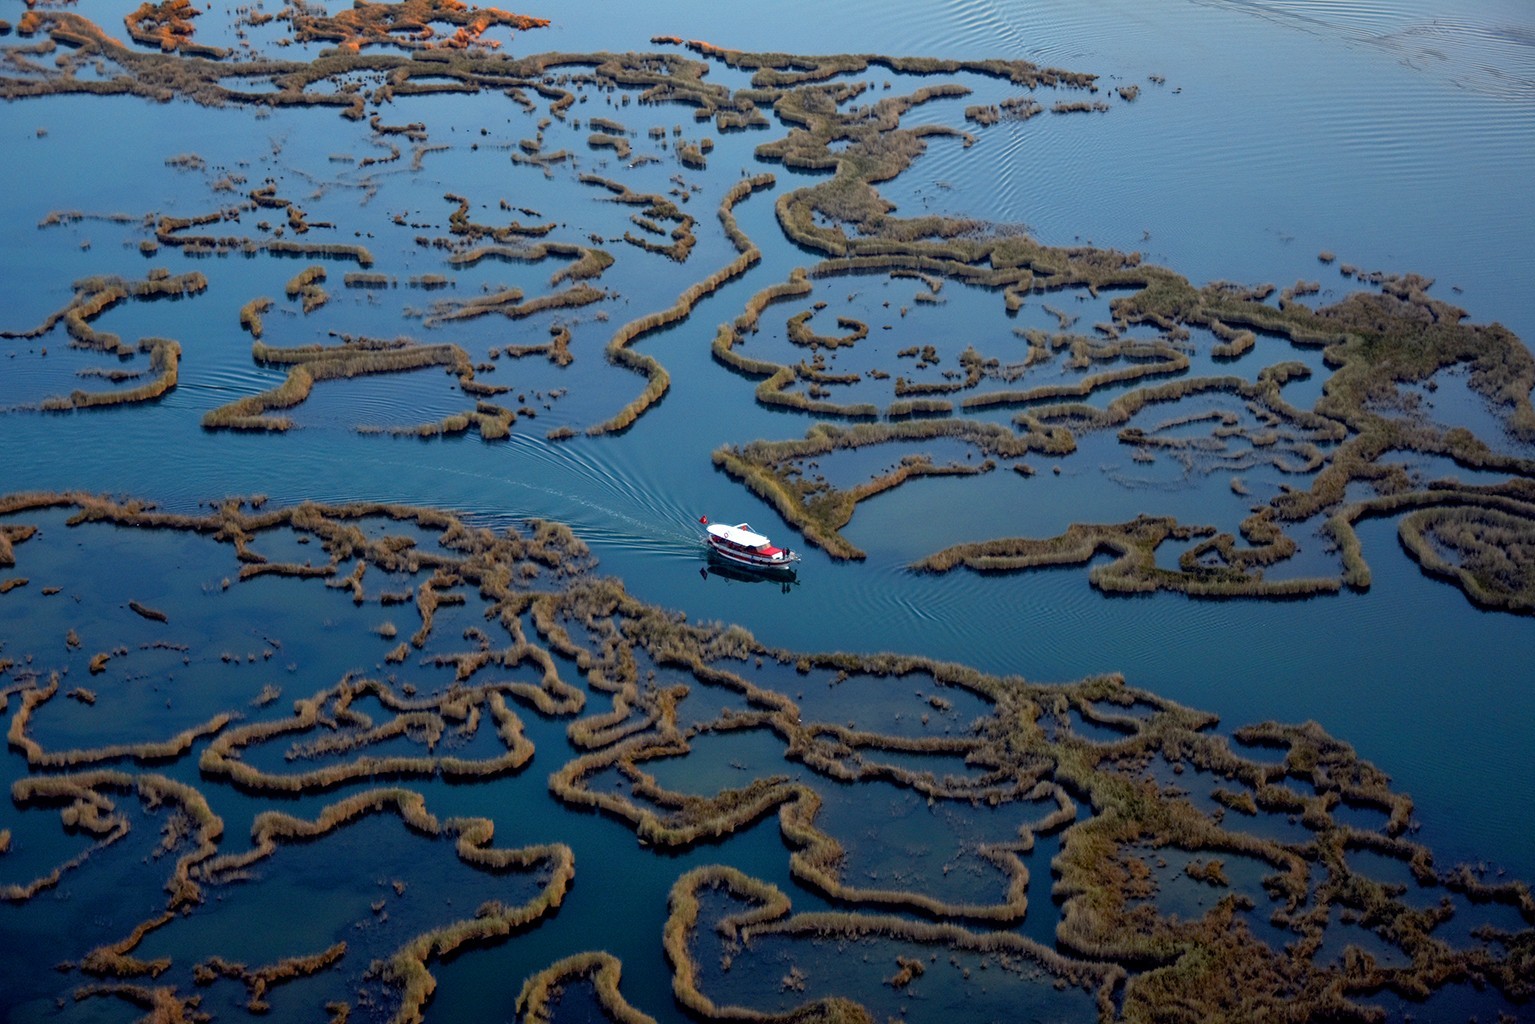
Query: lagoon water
1398	136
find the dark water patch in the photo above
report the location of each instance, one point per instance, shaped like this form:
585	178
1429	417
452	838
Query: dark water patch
718	761
1447	400
1304	392
1201	788
576	1003
931	767
196	647
1262	753
388	400
706	703
409	884
906	706
896	838
1097	732
1139	710
608	780
141	696
778	973
618	902
1043	912
1468	926
103	896
421	538
1395	872
1424	470
1361	816
1344	931
1179	894
925	515
1451	1003
42	841
297	547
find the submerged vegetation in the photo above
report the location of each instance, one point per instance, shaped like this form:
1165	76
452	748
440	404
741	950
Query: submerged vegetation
635	688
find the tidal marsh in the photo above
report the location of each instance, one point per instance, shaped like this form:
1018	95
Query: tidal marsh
499	762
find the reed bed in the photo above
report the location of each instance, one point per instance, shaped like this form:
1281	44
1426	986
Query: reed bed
536	1001
251	313
509	303
801	334
619	350
820	511
95	296
258	981
168	26
780	377
1134	570
353	29
147	751
617	143
152	614
1494	569
164	360
1111	812
12	534
1236	315
658	208
313	363
589	263
372	281
557	348
305	285
170	232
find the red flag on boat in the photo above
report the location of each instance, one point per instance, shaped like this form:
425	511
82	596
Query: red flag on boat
704	520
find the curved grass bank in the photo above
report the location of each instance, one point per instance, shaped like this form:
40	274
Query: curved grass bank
1110	793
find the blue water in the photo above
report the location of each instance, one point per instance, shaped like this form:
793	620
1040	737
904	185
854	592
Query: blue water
1399	137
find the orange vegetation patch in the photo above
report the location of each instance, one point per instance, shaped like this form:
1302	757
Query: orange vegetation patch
408	25
168	25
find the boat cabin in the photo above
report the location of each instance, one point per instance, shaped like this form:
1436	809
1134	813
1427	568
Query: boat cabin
741	538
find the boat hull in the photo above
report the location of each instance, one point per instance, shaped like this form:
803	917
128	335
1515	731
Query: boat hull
744	548
732	569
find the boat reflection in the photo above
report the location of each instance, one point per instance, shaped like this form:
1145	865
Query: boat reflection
787	579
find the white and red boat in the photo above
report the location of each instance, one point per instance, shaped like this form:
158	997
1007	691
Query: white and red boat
741	545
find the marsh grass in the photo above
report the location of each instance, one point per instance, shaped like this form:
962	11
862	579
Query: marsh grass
1110	812
251	313
310	364
818	510
619	350
536	1001
93	297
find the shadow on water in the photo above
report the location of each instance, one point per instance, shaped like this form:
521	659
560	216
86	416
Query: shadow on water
786	579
